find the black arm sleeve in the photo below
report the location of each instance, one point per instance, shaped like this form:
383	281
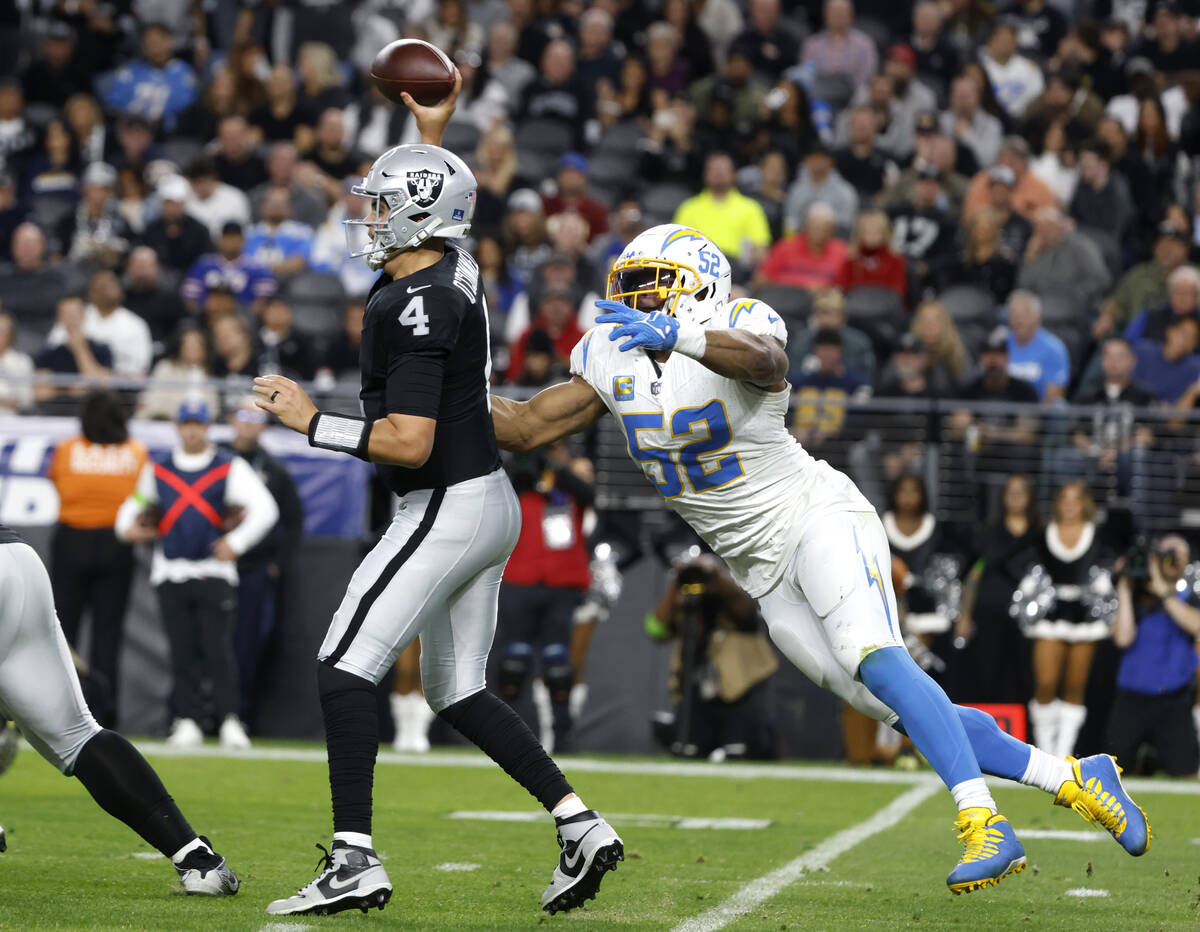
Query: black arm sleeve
414	384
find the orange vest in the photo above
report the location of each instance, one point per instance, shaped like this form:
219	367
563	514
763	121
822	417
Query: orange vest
93	479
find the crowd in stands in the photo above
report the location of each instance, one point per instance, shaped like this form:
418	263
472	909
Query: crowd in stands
172	190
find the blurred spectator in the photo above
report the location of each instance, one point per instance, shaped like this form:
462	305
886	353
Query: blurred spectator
341	357
696	48
907	97
916	536
1015	230
995	383
1015	79
16	370
985	262
95	232
947	357
1144	285
968	123
266	572
132	197
16	134
1030	193
1153	146
998	655
1066	101
1040	26
322	82
177	238
910	373
234	156
281	118
328	253
670	152
556	321
568	234
235	352
829	313
306	204
743	90
29	285
862	162
767	42
156	86
217	101
329	155
539	362
181	374
735	223
285	349
230	266
213	202
629	99
1056	164
135	143
668	69
193	570
840	48
871	263
1034	353
813	258
94	140
933	152
823	389
1101	200
784	118
495	168
629	221
1165	46
1157	624
937	59
770	189
819	181
13	213
726	696
515	74
1171	367
108	322
561	271
73	355
1057	254
523	234
557	93
1183	300
90	568
248	66
571	194
52	173
922	230
281	244
450	28
58	71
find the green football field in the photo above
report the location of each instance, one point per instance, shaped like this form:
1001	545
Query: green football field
708	847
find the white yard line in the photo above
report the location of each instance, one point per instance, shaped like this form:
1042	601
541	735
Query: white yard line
1086	892
472	760
760	890
644	820
1056	834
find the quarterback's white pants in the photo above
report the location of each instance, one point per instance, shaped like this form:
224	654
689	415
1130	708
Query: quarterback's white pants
835	604
39	689
435	574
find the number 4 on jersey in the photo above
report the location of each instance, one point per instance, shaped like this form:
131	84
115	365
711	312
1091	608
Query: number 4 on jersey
414	316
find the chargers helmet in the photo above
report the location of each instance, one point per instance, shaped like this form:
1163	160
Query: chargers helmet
677	265
427	190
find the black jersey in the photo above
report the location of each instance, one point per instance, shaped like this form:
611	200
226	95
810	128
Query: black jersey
9	536
917	550
425	352
1068	568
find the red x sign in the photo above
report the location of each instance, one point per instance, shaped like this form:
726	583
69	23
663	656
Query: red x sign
189	495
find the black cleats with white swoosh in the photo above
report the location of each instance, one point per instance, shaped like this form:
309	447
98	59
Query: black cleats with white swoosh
590	849
205	873
348	878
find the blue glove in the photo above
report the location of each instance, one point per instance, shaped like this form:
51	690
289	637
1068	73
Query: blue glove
653	331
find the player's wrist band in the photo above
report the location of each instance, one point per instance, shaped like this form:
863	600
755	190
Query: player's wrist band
345	433
691	340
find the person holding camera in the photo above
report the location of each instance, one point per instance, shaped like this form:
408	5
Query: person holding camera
721	666
1157	624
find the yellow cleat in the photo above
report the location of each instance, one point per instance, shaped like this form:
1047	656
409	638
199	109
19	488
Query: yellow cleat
991	851
1097	795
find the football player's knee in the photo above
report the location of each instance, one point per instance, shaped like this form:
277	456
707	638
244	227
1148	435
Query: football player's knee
514	669
557	672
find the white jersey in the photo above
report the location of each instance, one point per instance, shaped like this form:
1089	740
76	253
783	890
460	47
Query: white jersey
718	449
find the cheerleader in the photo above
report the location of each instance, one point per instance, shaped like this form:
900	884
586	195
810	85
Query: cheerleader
915	537
1065	642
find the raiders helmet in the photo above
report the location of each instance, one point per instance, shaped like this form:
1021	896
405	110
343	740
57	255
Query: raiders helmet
413	192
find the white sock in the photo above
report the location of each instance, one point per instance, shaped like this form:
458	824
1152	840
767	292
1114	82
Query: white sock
1046	772
1043	718
1070	720
187	849
570	806
357	839
973	794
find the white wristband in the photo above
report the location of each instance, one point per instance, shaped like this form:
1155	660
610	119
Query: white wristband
691	340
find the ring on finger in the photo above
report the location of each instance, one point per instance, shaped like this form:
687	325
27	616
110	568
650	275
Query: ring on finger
274	395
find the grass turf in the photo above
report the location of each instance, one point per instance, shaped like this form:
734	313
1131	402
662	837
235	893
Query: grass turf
71	866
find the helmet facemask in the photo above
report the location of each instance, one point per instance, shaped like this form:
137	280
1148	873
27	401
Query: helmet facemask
663	280
404	225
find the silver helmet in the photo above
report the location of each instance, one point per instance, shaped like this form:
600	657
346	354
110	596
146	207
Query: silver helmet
413	192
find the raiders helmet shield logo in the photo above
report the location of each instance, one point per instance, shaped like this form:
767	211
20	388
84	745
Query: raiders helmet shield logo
425	187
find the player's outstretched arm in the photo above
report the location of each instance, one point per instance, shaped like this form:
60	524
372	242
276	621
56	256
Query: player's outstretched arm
431	121
551	414
396	440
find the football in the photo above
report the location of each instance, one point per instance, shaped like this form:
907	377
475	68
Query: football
412	65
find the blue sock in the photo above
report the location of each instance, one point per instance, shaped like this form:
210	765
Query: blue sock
998	753
927	714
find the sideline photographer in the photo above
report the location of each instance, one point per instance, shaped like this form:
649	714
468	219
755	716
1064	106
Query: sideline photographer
1157	624
721	666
